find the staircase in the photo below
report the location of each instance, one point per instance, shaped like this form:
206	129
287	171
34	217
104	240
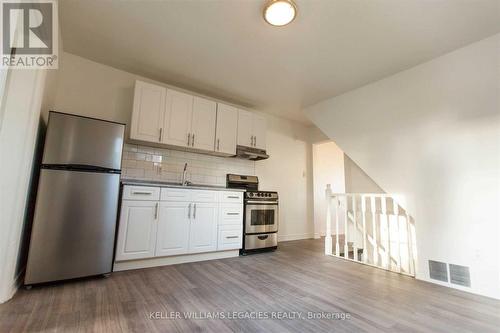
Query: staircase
377	231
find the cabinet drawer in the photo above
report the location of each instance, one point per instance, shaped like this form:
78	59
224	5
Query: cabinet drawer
230	237
204	196
141	193
231	197
231	214
175	194
261	240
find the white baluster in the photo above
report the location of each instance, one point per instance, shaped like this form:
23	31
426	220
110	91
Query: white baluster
364	256
411	263
383	207
355	233
374	229
337	207
413	245
346	227
396	213
328	235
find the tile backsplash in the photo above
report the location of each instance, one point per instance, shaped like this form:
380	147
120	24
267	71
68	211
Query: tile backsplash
148	163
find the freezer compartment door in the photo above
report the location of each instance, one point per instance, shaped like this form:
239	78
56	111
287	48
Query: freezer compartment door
74	225
75	140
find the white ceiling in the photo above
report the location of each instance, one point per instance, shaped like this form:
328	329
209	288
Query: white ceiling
224	49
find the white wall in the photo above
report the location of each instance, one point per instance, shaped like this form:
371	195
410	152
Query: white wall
3	81
357	180
432	135
289	171
21	114
328	168
88	88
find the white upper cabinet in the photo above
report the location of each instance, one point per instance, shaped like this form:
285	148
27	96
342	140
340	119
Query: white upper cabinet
203	124
259	131
245	128
251	130
226	130
178	118
148	112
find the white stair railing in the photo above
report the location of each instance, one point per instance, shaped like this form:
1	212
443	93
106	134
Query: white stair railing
375	227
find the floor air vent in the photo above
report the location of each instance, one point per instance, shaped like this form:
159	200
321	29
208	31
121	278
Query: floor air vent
438	270
460	275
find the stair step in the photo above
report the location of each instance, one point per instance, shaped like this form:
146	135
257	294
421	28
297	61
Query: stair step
350	254
360	251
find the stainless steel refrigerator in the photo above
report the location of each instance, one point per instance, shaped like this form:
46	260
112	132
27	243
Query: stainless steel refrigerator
74	223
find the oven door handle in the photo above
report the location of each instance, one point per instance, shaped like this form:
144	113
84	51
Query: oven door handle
262	202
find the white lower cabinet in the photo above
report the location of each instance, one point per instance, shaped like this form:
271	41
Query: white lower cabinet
230	231
173	229
230	237
203	232
137	233
183	221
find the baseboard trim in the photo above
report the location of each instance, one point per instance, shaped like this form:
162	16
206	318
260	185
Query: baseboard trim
291	237
457	287
165	261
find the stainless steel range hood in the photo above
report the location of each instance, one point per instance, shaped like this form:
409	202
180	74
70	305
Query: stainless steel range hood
252	154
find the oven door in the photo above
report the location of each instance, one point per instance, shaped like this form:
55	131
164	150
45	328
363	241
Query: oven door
261	217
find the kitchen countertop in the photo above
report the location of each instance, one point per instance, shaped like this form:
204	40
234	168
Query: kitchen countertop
159	183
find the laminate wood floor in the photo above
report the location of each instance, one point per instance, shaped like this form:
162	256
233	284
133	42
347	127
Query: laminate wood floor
297	278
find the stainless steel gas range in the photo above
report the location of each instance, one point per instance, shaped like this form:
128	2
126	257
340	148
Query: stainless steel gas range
261	214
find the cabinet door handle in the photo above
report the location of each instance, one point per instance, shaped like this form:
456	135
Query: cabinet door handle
229	237
142	193
232	197
218	141
161	132
255	141
189	211
251	141
194	212
233	213
192	143
189	139
156	211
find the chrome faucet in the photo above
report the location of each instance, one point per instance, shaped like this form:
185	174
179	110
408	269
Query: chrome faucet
184	181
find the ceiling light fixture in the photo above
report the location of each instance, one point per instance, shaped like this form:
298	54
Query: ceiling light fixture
280	12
